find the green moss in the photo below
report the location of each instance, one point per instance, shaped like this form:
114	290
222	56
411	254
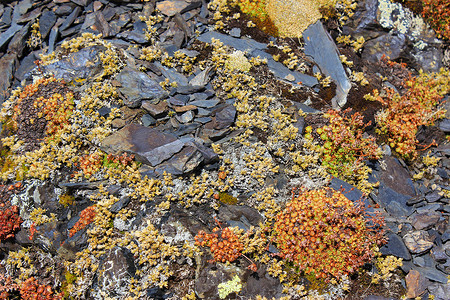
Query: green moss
227	198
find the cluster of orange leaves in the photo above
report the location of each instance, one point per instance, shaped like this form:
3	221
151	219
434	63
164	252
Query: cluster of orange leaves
223	243
56	110
9	222
403	114
325	234
437	14
86	217
30	289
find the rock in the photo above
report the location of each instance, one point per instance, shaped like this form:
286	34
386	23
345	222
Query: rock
418	242
8	34
205	103
18	42
281	71
149	146
433	274
172	75
137	86
70	19
181	109
171	7
235	32
440	291
122	203
238	44
77	66
426	220
395	246
30	16
189	89
116	270
26	65
201	79
444	125
416	284
224	117
389	44
438	254
46	22
20	9
185	161
8	64
320	46
156	110
147	120
185	117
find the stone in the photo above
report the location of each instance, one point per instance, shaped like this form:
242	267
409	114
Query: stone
185	117
122	203
418	242
205	103
116	270
426	220
20	9
224	117
137	86
235	32
46	22
18	42
201	79
320	46
438	254
181	109
189	89
147	120
149	146
416	284
77	66
389	44
440	291
172	75
171	7
70	19
444	125
26	65
185	161
156	110
6	36
396	247
433	274
8	63
30	16
243	45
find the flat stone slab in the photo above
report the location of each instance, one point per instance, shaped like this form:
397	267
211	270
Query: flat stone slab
150	146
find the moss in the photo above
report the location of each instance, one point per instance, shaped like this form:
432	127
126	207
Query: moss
66	200
227	198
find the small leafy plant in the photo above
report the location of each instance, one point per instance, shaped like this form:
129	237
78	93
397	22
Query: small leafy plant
403	114
86	217
325	234
343	147
437	14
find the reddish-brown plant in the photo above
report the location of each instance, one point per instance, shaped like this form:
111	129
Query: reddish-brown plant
325	234
9	222
437	14
223	243
86	217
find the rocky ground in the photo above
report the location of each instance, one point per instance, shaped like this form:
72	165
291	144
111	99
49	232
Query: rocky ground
172	117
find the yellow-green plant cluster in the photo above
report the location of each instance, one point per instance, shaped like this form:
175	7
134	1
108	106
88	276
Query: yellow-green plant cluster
343	149
325	234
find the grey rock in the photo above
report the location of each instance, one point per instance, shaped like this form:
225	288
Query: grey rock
116	270
70	19
5	19
438	254
433	274
395	246
242	44
6	36
8	65
203	120
52	39
64	10
418	242
173	75
235	32
320	46
26	65
281	71
149	146
185	117
18	42
20	9
138	86
185	161
77	66
122	203
419	261
29	16
201	79
444	125
224	117
205	103
148	120
416	284
189	89
46	22
389	44
429	208
440	291
426	220
433	196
